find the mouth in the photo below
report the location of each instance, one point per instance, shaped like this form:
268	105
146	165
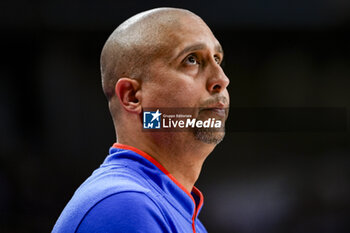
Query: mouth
220	112
219	109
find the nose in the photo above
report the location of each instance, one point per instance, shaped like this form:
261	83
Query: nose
217	81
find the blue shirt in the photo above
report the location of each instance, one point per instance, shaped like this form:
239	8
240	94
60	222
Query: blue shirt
131	192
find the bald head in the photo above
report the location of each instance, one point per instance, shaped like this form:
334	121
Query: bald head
135	43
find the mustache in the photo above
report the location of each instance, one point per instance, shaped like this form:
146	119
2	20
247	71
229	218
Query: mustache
215	100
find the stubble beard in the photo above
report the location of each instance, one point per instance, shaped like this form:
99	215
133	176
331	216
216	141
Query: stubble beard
209	135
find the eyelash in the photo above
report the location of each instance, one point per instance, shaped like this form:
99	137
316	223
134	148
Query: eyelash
217	59
192	56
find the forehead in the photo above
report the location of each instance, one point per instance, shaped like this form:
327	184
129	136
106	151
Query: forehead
188	31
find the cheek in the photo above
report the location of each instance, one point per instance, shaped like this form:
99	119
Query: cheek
175	93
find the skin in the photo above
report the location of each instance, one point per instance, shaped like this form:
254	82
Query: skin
165	58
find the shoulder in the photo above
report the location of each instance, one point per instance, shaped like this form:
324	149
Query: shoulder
104	191
127	211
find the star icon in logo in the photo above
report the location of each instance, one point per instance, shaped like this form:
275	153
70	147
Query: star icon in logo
156	115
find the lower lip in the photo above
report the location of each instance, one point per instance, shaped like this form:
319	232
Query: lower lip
218	111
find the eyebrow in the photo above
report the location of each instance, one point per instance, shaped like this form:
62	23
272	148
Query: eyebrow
199	46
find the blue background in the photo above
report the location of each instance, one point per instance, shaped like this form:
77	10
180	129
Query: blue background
147	120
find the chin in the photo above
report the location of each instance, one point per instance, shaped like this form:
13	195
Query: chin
209	136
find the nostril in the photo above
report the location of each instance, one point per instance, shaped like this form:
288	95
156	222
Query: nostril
217	87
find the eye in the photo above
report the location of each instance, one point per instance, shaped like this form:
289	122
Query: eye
217	59
191	60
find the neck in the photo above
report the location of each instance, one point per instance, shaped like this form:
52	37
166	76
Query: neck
182	157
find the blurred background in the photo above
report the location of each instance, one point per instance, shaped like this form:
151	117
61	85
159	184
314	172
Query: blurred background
284	164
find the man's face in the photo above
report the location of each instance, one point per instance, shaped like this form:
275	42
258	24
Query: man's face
186	73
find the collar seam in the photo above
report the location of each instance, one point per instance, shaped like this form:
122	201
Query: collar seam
195	190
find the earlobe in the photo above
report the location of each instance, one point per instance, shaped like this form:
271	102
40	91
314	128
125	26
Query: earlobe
128	92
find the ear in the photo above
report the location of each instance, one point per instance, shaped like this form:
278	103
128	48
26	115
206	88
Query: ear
129	93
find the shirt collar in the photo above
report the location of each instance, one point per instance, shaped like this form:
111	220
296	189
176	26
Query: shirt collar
191	202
